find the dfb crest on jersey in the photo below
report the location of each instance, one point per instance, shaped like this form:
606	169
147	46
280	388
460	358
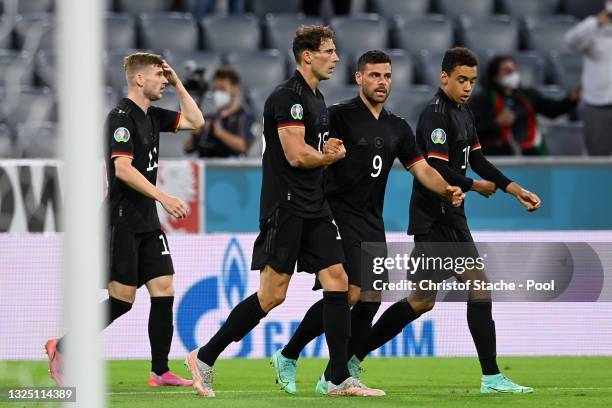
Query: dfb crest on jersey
297	112
379	142
121	135
438	136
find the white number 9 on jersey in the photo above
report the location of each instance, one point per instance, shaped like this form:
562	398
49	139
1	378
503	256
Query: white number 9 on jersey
377	165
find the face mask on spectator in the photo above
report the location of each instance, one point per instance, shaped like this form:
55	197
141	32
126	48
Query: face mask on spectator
511	81
221	99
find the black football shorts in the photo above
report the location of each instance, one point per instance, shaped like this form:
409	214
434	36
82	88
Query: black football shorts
136	258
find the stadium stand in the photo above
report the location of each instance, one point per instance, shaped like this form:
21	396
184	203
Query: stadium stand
120	31
37	140
265	68
390	8
235	33
455	8
261	8
136	7
489	33
414	34
160	31
524	8
357	34
565	139
280	28
545	33
15	68
566	68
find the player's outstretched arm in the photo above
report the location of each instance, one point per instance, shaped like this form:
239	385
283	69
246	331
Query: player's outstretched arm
191	115
528	199
432	180
301	155
134	179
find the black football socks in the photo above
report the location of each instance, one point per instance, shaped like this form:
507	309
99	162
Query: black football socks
362	315
337	327
482	328
242	319
113	309
310	327
160	332
390	324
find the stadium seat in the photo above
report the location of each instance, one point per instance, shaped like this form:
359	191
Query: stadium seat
280	29
389	8
171	145
430	66
409	103
261	8
37	140
15	68
174	31
30	6
524	8
403	69
261	68
360	33
34	32
481	34
6	30
582	8
231	33
565	139
455	8
413	34
532	67
566	68
335	95
45	68
135	7
257	98
120	31
546	33
180	60
27	105
7	145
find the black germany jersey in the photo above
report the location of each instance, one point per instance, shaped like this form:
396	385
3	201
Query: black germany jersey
357	183
300	191
445	131
132	133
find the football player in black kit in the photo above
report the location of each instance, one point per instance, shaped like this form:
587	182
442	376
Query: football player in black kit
355	188
446	134
139	252
295	221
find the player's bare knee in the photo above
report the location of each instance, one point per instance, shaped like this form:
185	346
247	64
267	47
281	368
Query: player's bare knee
269	299
122	292
161	286
354	294
421	307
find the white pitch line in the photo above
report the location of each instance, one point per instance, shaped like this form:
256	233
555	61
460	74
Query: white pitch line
276	392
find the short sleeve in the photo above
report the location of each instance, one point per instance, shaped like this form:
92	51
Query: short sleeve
287	109
335	123
408	153
433	131
119	133
168	119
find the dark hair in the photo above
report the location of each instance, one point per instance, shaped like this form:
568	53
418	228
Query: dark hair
310	38
458	56
227	72
372	57
494	65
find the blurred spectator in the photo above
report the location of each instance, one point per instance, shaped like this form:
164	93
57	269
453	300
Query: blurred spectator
505	112
593	38
313	7
228	132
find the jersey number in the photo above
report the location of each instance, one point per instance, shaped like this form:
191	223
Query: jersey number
337	230
466	152
166	251
322	139
152	163
377	165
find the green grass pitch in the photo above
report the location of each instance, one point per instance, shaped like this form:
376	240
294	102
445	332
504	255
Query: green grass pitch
409	382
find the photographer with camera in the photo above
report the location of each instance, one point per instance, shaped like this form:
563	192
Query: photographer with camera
227	133
593	38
